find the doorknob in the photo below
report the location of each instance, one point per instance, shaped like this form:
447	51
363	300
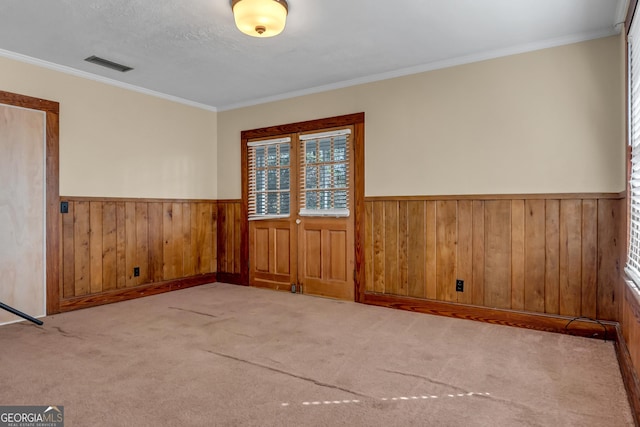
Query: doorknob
298	221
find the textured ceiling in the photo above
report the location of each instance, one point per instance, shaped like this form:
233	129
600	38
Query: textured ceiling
191	50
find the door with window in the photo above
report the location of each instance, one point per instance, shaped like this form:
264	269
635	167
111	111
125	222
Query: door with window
300	212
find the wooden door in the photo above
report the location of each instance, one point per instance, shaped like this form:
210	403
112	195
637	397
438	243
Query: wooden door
22	211
309	246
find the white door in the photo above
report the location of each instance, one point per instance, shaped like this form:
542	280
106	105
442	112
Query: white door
22	211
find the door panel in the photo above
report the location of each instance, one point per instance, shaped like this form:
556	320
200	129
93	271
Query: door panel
271	246
326	256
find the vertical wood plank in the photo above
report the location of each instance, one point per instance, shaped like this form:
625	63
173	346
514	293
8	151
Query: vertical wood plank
416	248
68	256
552	257
477	289
609	217
517	255
497	286
168	251
446	235
212	232
237	265
156	242
81	230
176	232
131	242
465	250
188	241
391	278
109	243
121	240
222	238
95	246
198	255
589	258
570	257
431	255
142	242
368	247
230	237
378	247
534	263
403	244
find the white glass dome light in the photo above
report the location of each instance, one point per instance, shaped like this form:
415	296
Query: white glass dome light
260	18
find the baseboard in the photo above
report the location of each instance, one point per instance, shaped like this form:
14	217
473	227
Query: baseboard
233	278
137	292
537	321
629	375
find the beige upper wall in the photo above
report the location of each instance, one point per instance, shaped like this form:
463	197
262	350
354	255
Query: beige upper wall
119	143
549	121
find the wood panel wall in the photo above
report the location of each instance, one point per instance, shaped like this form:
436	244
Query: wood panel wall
555	254
103	240
229	241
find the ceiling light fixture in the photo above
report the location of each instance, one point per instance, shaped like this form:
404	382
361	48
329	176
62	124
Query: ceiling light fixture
260	18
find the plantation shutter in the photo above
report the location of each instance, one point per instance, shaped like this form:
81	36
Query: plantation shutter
269	178
324	173
633	259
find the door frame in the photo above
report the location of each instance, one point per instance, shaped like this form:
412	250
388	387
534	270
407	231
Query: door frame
52	177
357	121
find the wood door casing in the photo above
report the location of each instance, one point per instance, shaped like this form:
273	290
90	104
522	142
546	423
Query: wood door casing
337	246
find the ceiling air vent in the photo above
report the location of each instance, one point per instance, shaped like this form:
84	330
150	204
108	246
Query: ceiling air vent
109	64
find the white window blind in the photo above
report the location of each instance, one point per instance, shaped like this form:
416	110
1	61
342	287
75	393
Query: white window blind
633	259
269	178
324	173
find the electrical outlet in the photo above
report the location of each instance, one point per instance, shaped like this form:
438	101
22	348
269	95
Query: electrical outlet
136	271
459	285
64	207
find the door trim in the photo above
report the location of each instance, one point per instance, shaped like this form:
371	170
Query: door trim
357	121
51	109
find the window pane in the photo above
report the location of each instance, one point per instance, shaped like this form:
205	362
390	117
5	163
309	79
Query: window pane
311	177
272	203
312	200
325	176
324	153
260	157
340	175
339	148
284	179
272	179
272	155
310	152
284	155
260	186
325	200
340	199
260	204
284	203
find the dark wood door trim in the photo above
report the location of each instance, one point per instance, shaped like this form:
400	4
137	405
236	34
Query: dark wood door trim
357	121
51	110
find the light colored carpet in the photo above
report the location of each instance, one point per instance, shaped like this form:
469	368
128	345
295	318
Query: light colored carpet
233	356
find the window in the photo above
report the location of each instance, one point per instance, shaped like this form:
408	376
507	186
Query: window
269	178
633	258
324	173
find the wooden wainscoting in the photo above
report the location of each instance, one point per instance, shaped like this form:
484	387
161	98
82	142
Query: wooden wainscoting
556	254
229	241
173	243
